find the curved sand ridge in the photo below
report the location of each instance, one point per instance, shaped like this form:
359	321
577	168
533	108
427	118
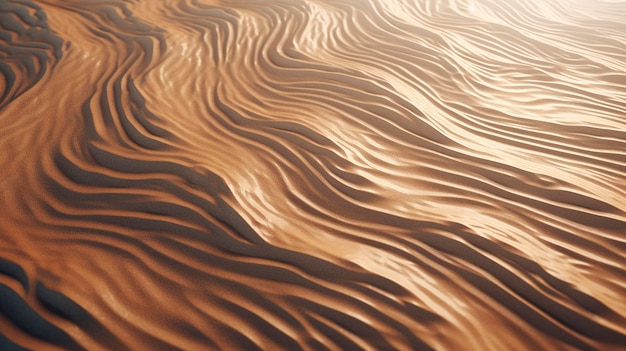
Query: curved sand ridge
313	175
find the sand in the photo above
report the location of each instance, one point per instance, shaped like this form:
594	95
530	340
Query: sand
312	175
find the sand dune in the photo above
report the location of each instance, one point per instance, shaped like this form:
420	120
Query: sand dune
312	175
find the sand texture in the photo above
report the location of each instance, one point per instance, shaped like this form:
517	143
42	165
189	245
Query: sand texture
313	175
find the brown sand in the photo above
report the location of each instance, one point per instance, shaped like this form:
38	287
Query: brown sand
312	175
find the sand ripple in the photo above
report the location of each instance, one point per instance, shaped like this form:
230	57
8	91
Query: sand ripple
312	175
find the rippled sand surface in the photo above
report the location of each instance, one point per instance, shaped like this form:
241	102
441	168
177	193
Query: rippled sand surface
313	175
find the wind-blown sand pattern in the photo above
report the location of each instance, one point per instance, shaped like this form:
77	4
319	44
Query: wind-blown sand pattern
313	175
